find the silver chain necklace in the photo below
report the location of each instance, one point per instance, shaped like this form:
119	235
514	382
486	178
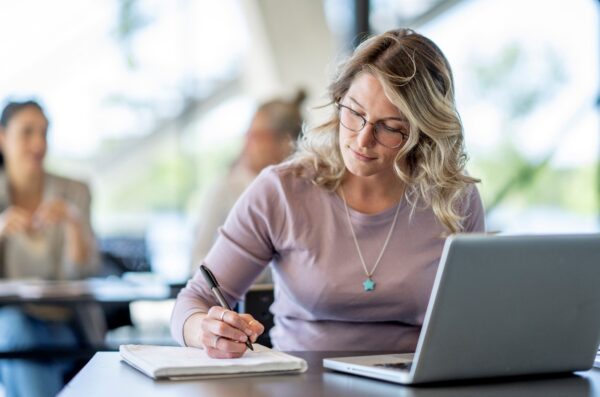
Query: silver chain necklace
369	284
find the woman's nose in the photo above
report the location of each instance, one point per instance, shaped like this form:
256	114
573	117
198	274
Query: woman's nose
38	142
365	136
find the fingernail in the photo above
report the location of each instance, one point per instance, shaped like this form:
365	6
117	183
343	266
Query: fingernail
243	338
248	331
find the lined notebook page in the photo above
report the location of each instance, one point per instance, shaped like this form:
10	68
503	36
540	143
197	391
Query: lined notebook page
172	361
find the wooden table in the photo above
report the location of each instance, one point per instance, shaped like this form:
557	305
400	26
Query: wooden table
106	375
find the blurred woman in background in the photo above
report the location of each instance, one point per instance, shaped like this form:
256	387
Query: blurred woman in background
45	233
271	138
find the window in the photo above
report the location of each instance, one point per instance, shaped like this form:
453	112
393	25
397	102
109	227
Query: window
526	76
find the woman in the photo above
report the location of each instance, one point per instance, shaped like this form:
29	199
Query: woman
355	223
270	139
45	233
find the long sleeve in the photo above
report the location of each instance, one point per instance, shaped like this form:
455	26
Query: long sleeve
244	247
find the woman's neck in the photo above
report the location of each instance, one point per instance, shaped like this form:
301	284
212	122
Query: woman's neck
25	188
372	195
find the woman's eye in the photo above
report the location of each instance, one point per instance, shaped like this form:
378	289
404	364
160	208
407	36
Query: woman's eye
27	131
354	112
396	130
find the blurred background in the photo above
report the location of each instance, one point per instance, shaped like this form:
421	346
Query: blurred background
149	100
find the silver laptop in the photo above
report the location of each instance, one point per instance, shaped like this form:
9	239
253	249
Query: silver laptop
501	306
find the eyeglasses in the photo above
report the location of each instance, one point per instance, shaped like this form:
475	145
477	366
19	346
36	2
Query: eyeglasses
390	136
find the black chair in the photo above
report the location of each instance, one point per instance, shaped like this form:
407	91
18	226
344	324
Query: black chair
257	302
120	255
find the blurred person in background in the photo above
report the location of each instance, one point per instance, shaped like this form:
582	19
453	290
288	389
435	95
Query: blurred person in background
45	233
270	139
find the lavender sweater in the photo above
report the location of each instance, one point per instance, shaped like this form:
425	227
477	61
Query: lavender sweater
302	231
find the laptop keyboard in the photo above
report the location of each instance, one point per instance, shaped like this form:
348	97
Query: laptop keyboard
397	366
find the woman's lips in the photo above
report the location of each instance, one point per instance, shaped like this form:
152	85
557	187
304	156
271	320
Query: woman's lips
36	158
361	157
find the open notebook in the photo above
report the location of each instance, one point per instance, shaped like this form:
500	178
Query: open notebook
179	363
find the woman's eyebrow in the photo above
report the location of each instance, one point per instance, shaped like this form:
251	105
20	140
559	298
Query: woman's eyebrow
398	118
355	101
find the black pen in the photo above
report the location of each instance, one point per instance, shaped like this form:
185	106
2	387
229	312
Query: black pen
213	284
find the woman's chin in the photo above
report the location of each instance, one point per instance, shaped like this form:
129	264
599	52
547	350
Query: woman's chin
35	167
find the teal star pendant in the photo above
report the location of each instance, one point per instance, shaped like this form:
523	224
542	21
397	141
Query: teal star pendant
368	284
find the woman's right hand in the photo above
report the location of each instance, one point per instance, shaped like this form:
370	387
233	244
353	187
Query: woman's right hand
14	220
223	333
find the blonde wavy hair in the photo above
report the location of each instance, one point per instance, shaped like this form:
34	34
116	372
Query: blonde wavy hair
417	78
